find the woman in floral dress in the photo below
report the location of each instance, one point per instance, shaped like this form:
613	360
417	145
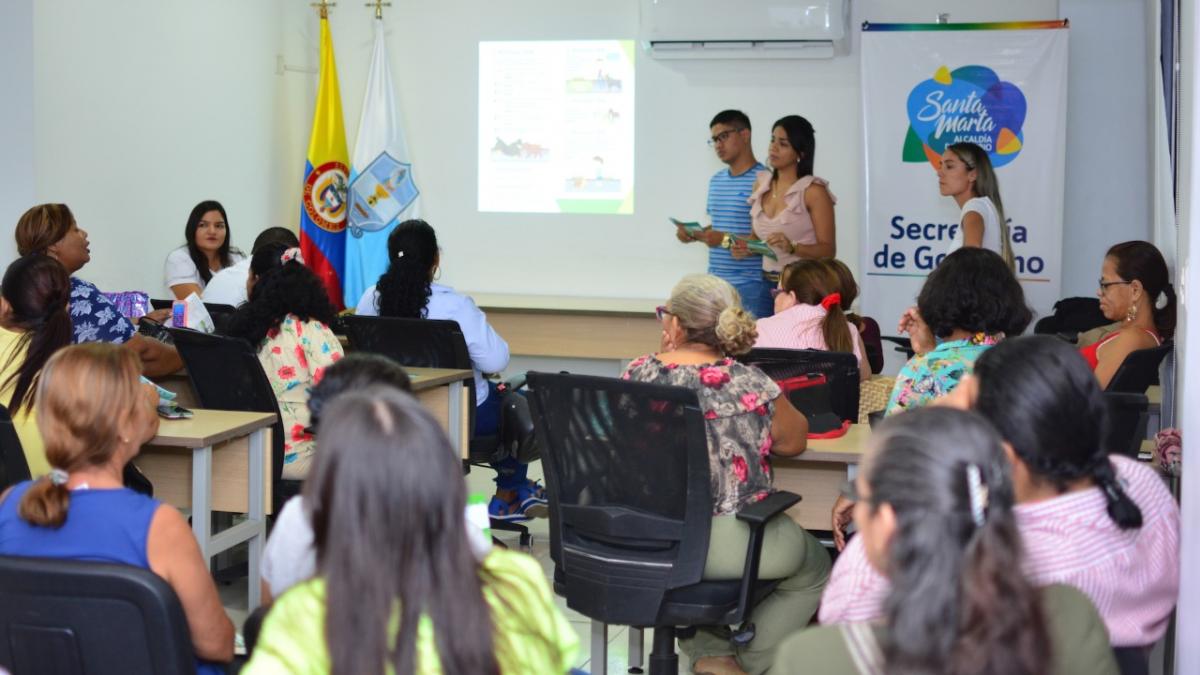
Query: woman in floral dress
287	318
747	420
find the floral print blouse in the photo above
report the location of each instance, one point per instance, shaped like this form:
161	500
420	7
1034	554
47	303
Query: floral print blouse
928	376
295	356
738	402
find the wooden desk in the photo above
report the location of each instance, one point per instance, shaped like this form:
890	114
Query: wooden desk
442	392
817	474
562	326
216	461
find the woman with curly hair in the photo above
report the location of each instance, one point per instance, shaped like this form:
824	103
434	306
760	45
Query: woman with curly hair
407	290
747	419
969	303
287	319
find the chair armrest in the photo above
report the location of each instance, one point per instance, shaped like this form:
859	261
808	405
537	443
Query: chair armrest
756	515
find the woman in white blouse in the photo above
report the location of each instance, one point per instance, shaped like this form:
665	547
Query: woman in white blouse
190	267
966	174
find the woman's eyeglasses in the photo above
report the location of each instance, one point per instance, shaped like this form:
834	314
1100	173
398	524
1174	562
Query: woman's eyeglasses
1105	284
660	311
776	292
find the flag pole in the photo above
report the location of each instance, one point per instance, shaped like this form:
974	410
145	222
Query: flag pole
323	7
378	5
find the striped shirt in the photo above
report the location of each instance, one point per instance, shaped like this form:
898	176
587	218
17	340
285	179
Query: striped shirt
730	212
799	327
1131	576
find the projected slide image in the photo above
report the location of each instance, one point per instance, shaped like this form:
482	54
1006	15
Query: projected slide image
556	126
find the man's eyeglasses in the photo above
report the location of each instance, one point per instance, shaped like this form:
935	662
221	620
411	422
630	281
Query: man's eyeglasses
722	137
1105	284
660	311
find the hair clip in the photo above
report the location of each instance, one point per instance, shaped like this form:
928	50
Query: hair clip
290	255
58	477
399	254
1160	302
978	494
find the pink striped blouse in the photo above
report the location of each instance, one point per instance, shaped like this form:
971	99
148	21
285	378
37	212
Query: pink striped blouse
799	327
1131	576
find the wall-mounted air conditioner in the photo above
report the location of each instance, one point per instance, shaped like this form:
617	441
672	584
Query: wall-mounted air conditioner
744	29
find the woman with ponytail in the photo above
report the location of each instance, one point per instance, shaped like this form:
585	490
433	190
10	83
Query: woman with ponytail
94	415
747	420
934	510
1102	523
1135	290
33	325
287	319
407	290
809	314
965	173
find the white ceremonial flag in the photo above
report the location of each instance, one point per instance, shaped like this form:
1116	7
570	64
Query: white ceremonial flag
382	190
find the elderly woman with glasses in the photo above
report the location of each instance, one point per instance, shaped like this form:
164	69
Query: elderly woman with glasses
747	419
1135	290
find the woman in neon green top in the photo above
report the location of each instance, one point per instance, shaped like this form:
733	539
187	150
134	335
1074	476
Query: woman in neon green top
33	325
398	589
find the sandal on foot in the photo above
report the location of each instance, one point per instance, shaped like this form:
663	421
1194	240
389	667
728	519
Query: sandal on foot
498	509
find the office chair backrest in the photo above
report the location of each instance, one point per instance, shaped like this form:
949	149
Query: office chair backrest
13	466
60	617
1127	420
227	375
420	343
627	475
839	368
1139	370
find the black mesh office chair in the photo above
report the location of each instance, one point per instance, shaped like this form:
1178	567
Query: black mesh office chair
627	469
839	368
1127	421
1139	370
60	617
430	343
227	375
13	466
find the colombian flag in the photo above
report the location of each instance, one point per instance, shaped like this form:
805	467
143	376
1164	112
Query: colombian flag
326	180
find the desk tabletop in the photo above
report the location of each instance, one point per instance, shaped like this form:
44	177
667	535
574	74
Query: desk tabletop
428	378
209	427
847	449
565	304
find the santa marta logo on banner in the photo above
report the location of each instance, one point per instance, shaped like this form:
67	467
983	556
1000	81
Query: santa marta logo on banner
380	193
970	104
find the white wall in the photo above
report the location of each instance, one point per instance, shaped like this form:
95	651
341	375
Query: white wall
16	118
144	108
1109	136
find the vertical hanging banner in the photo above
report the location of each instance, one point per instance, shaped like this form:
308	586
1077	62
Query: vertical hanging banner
1002	87
382	189
326	180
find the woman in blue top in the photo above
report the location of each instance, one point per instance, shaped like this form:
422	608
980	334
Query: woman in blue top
94	415
407	290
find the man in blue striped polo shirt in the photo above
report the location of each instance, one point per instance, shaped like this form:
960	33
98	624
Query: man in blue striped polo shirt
729	213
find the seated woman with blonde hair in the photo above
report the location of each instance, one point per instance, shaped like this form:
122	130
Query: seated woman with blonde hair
809	314
94	415
747	419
